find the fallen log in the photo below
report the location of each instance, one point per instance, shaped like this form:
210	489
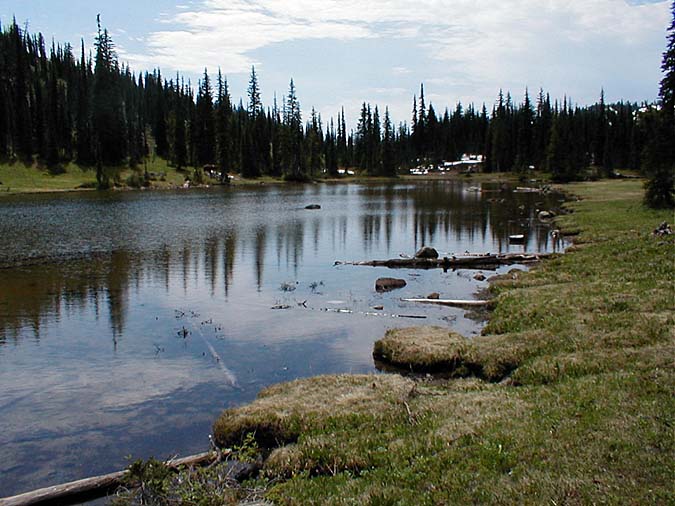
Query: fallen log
451	302
96	486
467	262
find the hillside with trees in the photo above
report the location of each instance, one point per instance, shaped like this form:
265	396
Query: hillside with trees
57	107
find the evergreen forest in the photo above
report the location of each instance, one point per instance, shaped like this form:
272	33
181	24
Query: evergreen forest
59	104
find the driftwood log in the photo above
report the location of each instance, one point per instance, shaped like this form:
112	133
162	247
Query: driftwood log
465	262
89	488
451	302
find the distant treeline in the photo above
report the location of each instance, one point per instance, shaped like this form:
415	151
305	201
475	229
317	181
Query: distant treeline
57	107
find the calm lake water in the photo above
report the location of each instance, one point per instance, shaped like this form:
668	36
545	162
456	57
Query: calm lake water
129	320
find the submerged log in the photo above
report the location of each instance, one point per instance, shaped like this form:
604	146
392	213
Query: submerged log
467	262
451	302
90	488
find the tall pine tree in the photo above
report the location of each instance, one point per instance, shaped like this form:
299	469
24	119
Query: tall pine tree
659	153
108	109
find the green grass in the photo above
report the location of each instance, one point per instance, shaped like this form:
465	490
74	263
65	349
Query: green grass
585	414
20	178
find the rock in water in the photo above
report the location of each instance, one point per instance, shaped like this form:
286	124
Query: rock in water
388	284
426	252
434	295
479	276
313	206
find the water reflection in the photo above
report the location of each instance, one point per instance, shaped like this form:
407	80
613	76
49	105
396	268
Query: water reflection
393	219
95	291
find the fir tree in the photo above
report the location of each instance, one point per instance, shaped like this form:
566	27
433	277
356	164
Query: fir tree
659	153
254	103
223	120
361	139
420	133
292	139
667	87
108	108
330	150
314	142
83	132
343	152
21	127
160	127
180	155
375	141
600	135
388	155
543	122
524	135
204	123
52	127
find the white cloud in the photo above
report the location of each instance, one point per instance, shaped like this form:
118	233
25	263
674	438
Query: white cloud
400	70
472	47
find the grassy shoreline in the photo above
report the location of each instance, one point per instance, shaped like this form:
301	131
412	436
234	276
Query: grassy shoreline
580	409
18	178
566	398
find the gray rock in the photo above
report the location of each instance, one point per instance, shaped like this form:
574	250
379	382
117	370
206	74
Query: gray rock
388	284
426	252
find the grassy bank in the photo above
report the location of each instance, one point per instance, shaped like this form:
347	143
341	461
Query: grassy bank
576	406
18	177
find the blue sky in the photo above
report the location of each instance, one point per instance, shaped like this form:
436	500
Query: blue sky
342	52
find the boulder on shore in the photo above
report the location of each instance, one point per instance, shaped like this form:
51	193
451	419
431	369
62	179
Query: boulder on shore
426	252
388	284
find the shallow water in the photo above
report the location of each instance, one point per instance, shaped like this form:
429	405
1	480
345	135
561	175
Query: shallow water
129	320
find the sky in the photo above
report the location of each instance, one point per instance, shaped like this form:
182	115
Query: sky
344	52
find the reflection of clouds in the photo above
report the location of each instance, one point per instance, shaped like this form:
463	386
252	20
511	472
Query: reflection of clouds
93	397
87	441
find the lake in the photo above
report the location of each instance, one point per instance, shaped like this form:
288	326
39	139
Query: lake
130	320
